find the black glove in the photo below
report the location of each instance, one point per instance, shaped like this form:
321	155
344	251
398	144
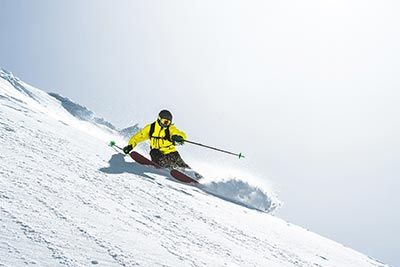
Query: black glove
127	149
178	139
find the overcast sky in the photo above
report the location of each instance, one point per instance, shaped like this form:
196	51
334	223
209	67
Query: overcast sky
308	90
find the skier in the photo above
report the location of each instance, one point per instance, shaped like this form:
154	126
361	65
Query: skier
163	136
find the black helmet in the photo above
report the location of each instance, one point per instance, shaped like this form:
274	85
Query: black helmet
164	118
165	114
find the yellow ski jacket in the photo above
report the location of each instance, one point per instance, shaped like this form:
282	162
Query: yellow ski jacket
158	139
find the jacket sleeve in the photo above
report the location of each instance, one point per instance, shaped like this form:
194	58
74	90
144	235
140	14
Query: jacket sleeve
175	131
141	136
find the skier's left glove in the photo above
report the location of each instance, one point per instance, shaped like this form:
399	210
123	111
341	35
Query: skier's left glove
127	149
178	139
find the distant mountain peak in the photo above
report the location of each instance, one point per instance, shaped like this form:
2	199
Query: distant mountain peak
81	112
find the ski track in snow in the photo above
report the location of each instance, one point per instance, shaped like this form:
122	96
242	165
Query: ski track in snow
68	200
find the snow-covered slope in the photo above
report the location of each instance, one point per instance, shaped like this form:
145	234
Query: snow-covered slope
66	199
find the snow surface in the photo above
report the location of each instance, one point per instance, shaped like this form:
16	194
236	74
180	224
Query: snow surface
66	199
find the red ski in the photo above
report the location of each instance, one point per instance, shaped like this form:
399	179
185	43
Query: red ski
178	175
143	160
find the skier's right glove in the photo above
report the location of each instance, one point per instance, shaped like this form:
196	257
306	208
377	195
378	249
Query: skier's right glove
127	149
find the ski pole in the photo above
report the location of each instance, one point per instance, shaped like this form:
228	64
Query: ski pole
214	148
113	144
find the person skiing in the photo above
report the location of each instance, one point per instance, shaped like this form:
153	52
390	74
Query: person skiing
163	137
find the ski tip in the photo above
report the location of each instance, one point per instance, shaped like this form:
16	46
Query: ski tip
241	156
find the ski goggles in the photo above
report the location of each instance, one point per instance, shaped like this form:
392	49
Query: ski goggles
164	122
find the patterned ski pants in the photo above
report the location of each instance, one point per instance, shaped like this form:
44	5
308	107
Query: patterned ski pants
171	160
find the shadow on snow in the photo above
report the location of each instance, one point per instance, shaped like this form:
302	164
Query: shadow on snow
118	165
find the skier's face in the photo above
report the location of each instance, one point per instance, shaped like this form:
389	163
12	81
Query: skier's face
164	122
